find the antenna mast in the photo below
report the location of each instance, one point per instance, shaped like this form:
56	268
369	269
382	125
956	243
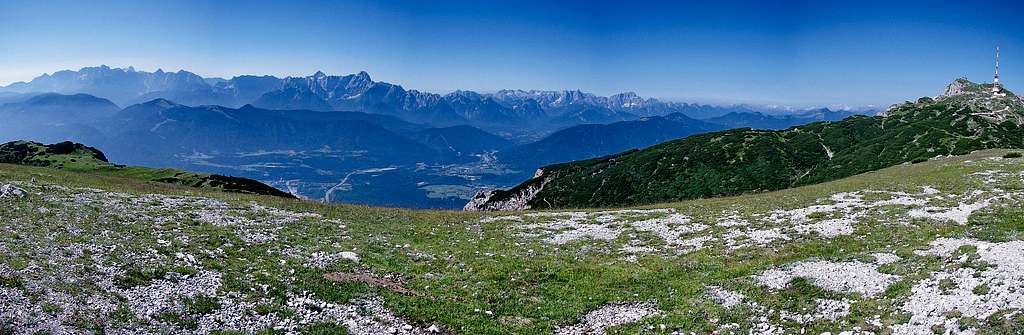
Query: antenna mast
995	81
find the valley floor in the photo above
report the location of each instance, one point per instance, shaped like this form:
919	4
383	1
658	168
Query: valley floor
933	247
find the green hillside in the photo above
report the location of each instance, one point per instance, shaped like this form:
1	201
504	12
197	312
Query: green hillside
910	249
970	117
80	158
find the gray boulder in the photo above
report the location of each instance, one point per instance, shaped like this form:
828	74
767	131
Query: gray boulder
11	191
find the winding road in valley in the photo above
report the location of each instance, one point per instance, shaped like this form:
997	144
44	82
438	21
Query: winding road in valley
330	191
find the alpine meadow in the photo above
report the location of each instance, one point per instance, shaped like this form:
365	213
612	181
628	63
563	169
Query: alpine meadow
562	167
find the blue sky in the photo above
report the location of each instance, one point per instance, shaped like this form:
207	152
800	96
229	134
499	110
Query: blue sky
792	53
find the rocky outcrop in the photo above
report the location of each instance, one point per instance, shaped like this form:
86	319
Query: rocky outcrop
11	191
957	87
514	199
479	201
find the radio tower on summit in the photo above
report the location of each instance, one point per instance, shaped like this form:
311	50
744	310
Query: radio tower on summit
995	81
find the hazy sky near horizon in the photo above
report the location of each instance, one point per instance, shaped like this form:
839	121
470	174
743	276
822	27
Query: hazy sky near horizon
793	52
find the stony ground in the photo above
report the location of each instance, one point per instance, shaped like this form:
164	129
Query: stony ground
927	248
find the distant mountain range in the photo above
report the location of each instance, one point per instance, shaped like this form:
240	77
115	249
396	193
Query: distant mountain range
505	111
348	136
126	86
967	117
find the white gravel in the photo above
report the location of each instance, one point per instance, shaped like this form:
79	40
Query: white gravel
828	228
973	293
832	309
726	298
673	230
323	259
840	213
844	277
883	258
598	321
991	176
489	219
825	309
362	316
736	239
165	295
732	219
959	213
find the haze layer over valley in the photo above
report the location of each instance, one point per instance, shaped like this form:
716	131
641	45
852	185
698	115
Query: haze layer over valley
351	139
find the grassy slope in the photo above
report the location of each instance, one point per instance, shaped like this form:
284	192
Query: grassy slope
467	267
89	160
743	160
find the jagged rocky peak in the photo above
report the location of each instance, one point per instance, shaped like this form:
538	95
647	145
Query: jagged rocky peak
363	76
625	100
319	75
959	86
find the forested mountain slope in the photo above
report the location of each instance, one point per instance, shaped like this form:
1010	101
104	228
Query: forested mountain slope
966	117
